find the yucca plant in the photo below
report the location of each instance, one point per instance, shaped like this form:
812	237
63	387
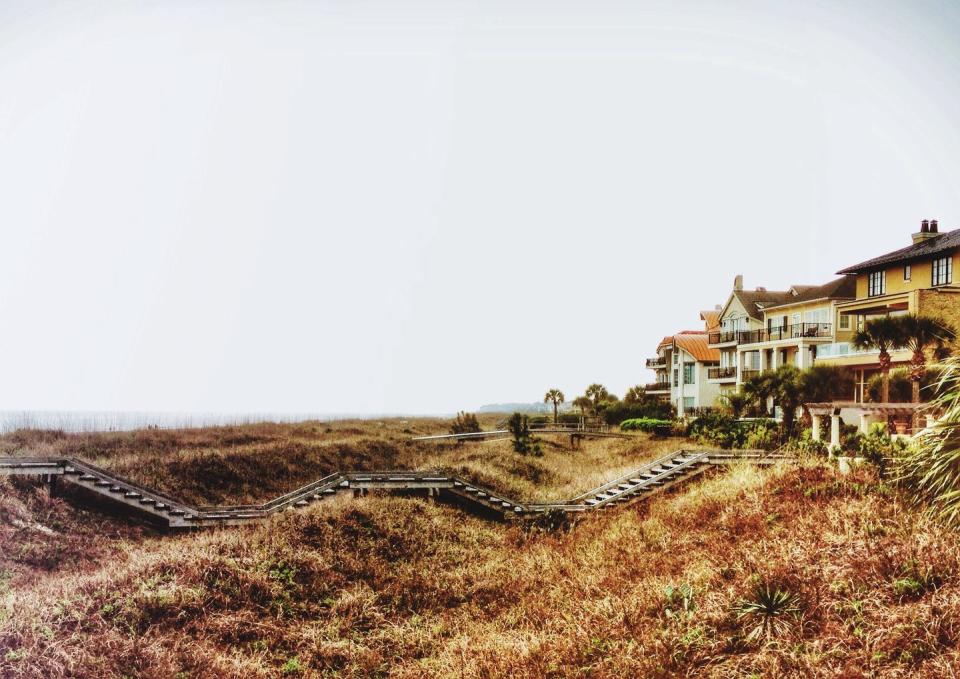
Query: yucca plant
768	612
930	470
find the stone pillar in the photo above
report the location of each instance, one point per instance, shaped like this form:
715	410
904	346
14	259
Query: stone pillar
816	427
834	433
866	419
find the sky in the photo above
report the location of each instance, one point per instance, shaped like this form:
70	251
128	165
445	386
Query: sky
410	207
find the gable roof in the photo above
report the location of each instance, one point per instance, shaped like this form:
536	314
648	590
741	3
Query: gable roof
949	240
755	301
711	318
696	346
840	288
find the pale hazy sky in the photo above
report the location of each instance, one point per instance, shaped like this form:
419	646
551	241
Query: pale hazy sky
420	207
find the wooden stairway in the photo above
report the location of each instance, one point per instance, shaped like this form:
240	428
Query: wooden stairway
648	479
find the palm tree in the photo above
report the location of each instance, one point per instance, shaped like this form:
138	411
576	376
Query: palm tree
635	394
759	388
597	394
556	397
919	333
930	469
787	387
737	401
882	333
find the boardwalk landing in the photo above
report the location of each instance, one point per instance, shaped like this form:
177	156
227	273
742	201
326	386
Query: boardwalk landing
648	479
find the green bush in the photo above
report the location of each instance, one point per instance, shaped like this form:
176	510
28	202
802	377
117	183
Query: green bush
805	443
647	424
617	412
723	431
878	448
523	442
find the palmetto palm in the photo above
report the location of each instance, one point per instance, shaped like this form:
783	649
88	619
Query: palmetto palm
919	333
556	397
583	403
635	395
737	401
759	388
597	393
884	333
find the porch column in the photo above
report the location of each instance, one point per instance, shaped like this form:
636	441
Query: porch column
763	360
803	356
773	359
816	427
834	434
866	419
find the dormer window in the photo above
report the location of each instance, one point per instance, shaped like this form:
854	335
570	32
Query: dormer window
942	271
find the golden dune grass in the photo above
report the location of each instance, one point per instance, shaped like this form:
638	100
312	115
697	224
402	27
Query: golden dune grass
405	587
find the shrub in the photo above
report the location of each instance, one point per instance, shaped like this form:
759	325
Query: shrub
465	423
647	424
878	448
805	443
721	430
617	412
523	442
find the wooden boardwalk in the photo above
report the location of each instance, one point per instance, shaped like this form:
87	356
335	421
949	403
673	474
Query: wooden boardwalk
170	512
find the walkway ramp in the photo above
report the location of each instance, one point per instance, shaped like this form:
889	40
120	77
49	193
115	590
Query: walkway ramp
173	513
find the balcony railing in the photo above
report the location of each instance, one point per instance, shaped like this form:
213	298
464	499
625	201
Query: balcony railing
795	331
657	386
747	373
654	363
722	373
722	337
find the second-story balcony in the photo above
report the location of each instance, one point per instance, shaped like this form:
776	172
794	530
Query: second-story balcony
722	337
657	363
747	373
787	332
726	373
657	387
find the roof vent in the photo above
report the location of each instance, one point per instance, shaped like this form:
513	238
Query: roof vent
760	289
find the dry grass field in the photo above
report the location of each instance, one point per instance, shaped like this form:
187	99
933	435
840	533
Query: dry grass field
404	587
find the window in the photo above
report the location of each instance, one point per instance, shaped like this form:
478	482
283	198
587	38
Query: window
688	403
675	358
844	321
689	375
943	271
877	283
906	272
676	377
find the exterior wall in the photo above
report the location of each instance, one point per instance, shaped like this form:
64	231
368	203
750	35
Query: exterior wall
920	278
703	392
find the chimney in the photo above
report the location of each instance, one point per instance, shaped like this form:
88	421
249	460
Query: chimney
738	282
761	289
928	230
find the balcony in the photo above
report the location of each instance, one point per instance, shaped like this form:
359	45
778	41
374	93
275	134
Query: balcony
722	337
787	332
657	387
656	363
747	373
727	373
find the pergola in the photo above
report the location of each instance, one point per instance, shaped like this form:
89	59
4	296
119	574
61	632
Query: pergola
850	411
